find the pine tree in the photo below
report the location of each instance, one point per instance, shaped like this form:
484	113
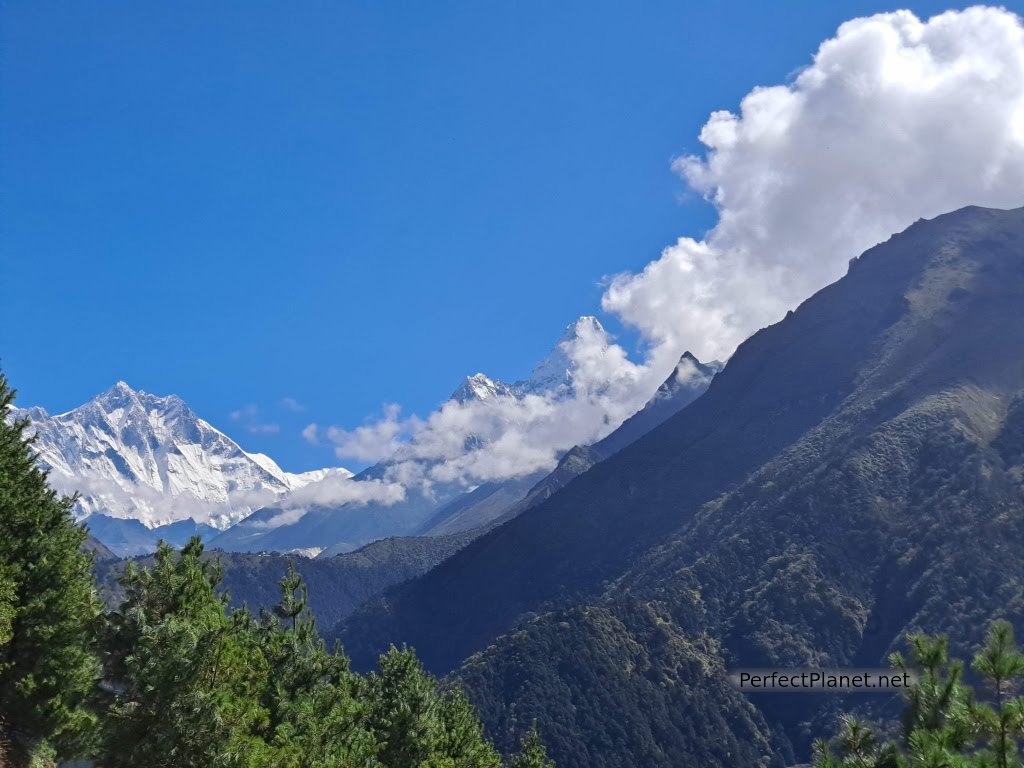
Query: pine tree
461	741
944	725
187	675
198	685
858	748
313	715
938	702
415	725
7	598
403	710
532	753
48	665
294	598
1002	665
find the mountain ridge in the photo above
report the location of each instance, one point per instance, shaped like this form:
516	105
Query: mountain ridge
152	459
901	512
764	518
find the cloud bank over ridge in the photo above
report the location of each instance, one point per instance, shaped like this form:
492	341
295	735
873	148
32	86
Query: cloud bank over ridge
894	120
580	392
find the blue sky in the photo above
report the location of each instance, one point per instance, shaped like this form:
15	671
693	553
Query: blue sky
346	204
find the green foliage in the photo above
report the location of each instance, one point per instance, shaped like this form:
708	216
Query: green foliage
337	585
1002	721
618	685
415	725
532	753
187	674
8	595
48	609
198	684
313	716
944	724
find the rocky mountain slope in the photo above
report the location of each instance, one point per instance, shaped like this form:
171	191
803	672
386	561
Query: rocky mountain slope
853	473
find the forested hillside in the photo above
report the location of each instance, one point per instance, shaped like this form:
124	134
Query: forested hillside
337	585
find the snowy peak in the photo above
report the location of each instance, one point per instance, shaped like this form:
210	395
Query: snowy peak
556	370
135	455
303	479
121	396
130	414
553	375
583	339
480	388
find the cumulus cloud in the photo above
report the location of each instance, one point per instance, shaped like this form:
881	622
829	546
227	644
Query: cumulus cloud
896	119
375	439
332	490
585	388
293	405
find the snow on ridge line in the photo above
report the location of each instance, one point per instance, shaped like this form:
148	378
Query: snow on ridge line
140	456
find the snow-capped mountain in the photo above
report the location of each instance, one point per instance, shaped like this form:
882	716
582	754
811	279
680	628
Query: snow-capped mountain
557	372
137	456
554	375
480	387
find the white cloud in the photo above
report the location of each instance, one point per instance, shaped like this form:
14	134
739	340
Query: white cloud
263	429
283	517
335	490
896	119
293	405
375	439
582	391
153	506
249	412
688	372
311	434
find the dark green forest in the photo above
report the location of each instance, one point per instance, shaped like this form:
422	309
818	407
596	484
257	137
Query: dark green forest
172	676
337	585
